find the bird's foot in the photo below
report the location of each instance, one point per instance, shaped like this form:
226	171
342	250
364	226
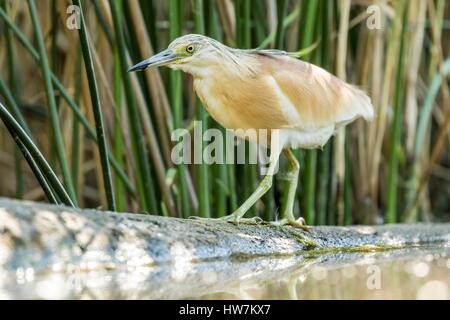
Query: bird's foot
299	223
233	218
202	218
237	219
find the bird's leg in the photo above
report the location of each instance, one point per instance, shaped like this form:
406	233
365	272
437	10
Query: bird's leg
236	216
287	216
262	188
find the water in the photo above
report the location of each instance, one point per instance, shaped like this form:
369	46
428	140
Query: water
409	273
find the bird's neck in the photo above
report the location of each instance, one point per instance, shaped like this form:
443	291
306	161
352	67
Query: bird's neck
198	72
221	67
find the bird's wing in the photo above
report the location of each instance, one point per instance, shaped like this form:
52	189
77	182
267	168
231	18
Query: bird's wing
265	52
312	97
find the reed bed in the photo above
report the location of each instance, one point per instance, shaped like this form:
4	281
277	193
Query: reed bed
77	129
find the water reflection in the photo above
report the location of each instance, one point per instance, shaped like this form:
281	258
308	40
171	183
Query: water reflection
413	273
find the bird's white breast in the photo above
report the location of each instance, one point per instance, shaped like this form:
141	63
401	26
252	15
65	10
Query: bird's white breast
295	138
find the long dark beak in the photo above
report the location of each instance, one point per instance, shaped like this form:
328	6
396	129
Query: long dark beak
157	60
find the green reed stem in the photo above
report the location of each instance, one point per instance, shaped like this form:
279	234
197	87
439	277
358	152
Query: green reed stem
149	12
14	127
218	179
96	108
15	110
243	32
52	57
287	21
11	74
143	177
327	60
54	117
347	188
176	19
70	102
102	21
76	145
202	169
322	185
34	167
331	208
322	58
259	13
392	216
281	13
309	10
4	91
423	122
243	35
118	140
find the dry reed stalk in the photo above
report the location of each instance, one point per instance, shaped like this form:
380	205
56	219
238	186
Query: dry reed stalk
226	11
272	20
155	86
155	155
443	127
339	146
417	14
376	87
360	131
380	122
68	81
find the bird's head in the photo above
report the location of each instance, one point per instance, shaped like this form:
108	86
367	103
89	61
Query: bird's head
191	53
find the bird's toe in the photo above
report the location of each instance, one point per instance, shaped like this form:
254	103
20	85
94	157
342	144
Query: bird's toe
299	223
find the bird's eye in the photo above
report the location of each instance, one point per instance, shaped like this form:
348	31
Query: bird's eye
190	48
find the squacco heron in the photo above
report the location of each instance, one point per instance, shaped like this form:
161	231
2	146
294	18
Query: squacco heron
270	90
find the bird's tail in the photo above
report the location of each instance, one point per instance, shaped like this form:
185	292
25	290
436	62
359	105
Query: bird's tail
355	104
362	103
